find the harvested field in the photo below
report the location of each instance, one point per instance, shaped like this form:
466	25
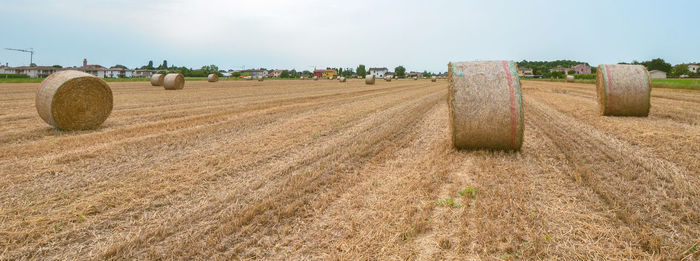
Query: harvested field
327	170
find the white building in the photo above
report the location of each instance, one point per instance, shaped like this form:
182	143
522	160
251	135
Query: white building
656	74
378	72
694	68
32	72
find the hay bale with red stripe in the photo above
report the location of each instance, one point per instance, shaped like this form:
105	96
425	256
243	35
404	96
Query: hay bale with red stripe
623	90
73	100
485	104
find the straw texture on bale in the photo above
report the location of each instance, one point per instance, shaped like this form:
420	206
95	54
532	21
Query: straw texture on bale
433	79
74	100
569	78
260	79
315	78
157	79
485	105
213	78
623	90
387	78
369	79
341	79
174	81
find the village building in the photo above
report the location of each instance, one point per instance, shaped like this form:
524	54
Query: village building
378	72
656	74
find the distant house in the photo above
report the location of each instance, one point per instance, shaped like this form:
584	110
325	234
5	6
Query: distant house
325	73
580	69
378	72
389	74
33	71
694	68
275	74
523	71
143	73
255	74
559	68
414	74
656	74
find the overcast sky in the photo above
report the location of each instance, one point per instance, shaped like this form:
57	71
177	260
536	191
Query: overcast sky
421	35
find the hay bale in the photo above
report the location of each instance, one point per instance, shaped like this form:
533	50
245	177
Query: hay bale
341	79
213	78
485	104
387	78
174	81
569	78
433	79
369	79
623	90
157	79
315	78
260	79
73	100
249	78
415	78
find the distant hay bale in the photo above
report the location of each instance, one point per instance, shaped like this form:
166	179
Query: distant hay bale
315	78
369	79
249	78
387	78
174	81
485	105
569	78
415	78
433	79
260	79
213	78
157	79
73	100
341	79
623	90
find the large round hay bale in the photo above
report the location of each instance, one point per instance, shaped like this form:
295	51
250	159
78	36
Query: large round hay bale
315	78
569	78
433	79
369	79
213	78
174	81
260	79
341	79
485	104
623	90
157	79
73	100
387	78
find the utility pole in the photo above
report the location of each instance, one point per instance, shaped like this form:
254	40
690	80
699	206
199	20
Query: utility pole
30	51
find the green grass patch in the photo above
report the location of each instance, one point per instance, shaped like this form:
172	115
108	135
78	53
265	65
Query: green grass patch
468	191
686	84
449	202
558	80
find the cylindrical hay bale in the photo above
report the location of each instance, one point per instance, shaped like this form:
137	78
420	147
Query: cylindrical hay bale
369	79
415	78
569	78
249	78
433	79
157	79
485	104
341	79
174	81
315	78
213	78
73	100
260	79
623	90
387	78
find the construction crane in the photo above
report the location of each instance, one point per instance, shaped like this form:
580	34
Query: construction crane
30	51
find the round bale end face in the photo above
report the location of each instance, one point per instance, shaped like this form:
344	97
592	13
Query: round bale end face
623	90
485	105
341	79
73	100
369	79
174	81
433	79
388	78
315	78
213	78
157	79
569	78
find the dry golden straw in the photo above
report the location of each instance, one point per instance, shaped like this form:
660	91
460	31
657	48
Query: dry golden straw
157	79
623	90
174	81
74	100
485	105
569	78
369	79
433	79
213	78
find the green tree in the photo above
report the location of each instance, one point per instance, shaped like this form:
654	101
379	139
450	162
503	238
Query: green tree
284	74
594	70
57	66
209	69
120	66
572	72
165	64
400	71
658	64
680	69
361	71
